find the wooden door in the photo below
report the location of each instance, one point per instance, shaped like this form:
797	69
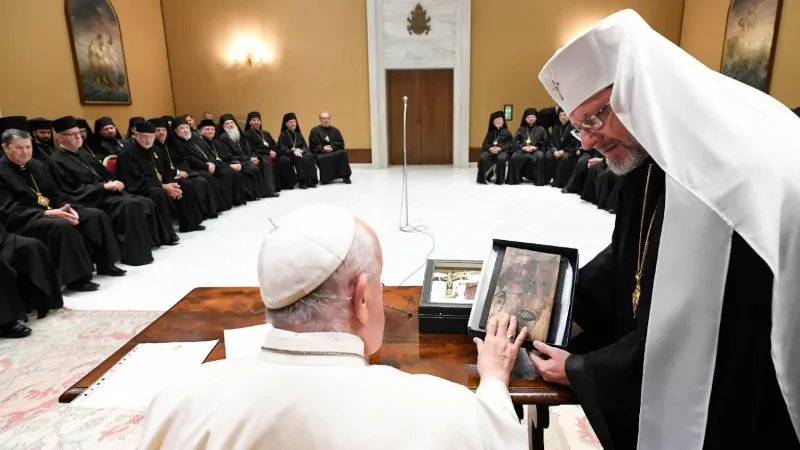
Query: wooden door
429	124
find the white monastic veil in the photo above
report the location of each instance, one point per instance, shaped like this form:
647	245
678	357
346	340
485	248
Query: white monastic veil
729	153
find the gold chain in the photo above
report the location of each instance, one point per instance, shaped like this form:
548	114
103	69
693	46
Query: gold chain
642	254
312	353
153	165
43	201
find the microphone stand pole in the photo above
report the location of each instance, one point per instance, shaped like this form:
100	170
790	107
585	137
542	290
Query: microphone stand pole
405	227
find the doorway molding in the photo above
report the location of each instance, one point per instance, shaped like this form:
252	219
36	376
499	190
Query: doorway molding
391	46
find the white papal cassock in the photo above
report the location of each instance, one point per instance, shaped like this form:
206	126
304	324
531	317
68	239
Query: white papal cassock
290	401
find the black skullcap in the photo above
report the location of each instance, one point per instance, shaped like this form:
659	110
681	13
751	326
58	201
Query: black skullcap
13	122
528	112
145	127
253	115
181	120
39	123
159	122
207	123
101	123
65	123
82	123
495	115
289	116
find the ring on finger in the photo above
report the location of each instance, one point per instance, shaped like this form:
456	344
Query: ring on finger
510	337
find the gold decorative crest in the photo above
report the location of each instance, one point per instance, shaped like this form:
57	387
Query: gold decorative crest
418	21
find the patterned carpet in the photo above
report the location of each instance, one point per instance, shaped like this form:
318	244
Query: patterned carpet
68	344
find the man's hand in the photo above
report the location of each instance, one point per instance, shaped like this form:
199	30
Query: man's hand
328	148
552	369
272	155
558	154
211	167
578	153
298	152
173	190
180	174
255	160
111	186
528	148
497	354
494	150
594	161
120	186
236	167
65	213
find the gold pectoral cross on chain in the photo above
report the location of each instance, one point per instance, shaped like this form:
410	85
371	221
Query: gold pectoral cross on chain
637	292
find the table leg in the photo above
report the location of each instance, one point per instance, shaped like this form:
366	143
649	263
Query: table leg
538	420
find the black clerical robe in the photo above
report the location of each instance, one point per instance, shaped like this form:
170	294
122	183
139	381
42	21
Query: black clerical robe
605	368
104	147
239	153
207	191
131	216
333	164
531	165
28	278
223	187
42	151
561	139
489	161
578	179
138	168
305	168
73	248
95	161
265	147
600	185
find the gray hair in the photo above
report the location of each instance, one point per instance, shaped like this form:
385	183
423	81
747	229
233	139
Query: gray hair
13	134
327	308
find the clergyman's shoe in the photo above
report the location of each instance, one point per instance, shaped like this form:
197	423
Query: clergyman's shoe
188	229
175	240
347	180
303	186
112	271
14	330
83	286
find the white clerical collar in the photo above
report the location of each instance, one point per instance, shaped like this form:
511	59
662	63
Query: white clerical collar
326	348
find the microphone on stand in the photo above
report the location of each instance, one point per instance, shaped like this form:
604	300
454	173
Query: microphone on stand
405	227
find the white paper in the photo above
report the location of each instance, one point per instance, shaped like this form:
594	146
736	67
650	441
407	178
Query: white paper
143	372
244	342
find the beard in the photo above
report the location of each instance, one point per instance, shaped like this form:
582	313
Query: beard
233	133
185	136
625	162
564	121
326	125
146	146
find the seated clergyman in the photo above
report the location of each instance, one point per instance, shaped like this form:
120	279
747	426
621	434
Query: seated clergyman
265	148
311	386
495	151
326	141
293	148
77	237
107	139
42	131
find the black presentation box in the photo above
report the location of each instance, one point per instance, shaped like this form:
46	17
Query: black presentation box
534	282
448	292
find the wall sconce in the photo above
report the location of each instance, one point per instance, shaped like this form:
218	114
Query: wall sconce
250	51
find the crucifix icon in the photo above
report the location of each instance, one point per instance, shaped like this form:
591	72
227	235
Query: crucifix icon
555	86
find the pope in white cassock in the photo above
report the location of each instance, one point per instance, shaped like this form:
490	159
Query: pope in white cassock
691	316
311	387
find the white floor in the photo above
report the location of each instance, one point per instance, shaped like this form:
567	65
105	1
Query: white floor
461	215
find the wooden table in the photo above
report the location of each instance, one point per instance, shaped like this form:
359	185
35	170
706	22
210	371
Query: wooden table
205	312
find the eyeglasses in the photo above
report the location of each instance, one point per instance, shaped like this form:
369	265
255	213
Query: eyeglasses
72	135
593	123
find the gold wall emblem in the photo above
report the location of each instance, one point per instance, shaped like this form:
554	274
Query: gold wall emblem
418	21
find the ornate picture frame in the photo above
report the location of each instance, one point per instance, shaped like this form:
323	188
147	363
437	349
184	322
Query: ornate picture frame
97	52
450	283
751	33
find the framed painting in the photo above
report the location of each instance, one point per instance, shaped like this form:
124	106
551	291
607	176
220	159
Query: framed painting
97	52
750	37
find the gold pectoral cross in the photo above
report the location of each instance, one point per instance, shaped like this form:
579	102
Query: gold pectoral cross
43	201
637	292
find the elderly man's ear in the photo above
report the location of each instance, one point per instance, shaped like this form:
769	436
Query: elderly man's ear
359	302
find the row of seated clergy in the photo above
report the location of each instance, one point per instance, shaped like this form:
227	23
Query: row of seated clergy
74	205
545	157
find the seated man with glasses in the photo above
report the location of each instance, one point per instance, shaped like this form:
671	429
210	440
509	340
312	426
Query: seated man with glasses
131	216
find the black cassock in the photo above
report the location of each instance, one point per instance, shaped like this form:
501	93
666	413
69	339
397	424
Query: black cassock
531	165
605	368
304	168
221	186
131	216
578	178
495	137
255	187
223	172
138	168
42	151
333	165
28	278
104	147
73	249
264	146
265	165
562	139
207	191
601	187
